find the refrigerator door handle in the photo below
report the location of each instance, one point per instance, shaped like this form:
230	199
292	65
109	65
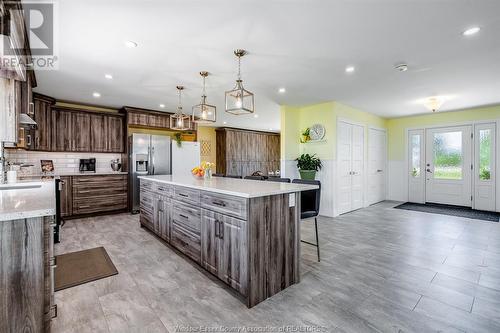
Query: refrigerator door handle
152	160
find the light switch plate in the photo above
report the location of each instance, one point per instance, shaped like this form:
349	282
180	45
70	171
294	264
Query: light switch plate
291	200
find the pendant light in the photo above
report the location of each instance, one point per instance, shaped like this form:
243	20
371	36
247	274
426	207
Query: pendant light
239	100
204	113
179	120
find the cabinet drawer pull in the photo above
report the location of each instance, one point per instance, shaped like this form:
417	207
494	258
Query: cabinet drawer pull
217	228
83	191
219	203
86	206
221	230
184	216
184	195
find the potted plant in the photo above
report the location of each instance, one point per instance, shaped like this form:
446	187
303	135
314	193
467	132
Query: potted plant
178	139
308	166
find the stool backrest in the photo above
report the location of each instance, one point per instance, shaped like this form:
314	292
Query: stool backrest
255	177
309	200
233	176
278	180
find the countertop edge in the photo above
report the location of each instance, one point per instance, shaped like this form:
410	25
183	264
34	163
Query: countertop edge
226	192
27	214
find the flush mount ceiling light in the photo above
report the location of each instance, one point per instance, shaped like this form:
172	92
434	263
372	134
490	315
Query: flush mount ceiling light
96	94
282	90
434	103
471	31
350	69
179	120
204	113
108	76
130	44
239	100
401	67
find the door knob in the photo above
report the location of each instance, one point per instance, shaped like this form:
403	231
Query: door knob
429	170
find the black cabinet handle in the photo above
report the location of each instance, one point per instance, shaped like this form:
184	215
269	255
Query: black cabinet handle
221	230
183	195
184	216
219	203
217	229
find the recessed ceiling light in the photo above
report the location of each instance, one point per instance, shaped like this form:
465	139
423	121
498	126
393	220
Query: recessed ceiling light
225	122
130	44
350	69
96	94
108	76
282	90
162	105
471	31
256	116
270	129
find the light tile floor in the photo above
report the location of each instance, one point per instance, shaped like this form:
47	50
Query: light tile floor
382	270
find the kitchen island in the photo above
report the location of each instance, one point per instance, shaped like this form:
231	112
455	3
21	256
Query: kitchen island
246	232
27	264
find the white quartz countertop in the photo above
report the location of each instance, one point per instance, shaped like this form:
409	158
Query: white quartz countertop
245	188
27	199
98	173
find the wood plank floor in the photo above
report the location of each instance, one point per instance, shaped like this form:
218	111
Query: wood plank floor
382	270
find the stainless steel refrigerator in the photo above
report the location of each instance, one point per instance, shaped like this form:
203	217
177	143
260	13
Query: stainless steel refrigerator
149	155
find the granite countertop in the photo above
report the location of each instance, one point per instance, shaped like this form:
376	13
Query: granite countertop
237	187
26	199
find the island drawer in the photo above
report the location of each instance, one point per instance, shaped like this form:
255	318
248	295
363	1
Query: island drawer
99	179
187	195
146	185
163	189
187	216
186	241
225	204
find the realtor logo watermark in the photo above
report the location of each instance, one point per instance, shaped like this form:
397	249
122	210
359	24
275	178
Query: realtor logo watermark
41	30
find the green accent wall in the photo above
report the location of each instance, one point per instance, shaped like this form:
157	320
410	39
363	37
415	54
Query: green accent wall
295	119
396	126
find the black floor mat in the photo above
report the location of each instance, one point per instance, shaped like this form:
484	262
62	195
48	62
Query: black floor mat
451	210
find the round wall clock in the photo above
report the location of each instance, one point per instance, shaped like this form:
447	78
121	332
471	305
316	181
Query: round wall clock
317	132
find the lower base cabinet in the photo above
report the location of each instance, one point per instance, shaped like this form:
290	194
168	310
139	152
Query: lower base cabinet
27	275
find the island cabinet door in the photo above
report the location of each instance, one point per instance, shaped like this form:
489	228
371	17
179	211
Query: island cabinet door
147	210
164	208
210	241
232	257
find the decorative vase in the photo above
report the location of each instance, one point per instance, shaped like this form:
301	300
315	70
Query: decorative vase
307	174
208	174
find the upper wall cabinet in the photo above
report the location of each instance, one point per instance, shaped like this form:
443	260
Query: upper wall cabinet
8	115
41	112
84	131
148	119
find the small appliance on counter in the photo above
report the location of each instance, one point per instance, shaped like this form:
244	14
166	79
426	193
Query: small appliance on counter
87	165
116	165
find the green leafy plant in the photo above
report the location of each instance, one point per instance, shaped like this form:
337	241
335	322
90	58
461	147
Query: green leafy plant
309	162
305	135
178	138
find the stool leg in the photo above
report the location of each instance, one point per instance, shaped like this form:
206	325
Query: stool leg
317	238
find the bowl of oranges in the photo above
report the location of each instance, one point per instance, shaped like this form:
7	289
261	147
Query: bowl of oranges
198	172
204	170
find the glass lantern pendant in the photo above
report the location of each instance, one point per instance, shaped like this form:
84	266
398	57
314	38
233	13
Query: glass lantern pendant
179	120
239	100
204	113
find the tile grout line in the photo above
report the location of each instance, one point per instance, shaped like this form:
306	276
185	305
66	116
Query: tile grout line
434	277
417	302
473	302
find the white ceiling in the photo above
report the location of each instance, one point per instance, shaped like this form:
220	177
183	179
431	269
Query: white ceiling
302	45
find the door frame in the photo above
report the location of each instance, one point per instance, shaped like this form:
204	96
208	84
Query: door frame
386	165
472	123
336	176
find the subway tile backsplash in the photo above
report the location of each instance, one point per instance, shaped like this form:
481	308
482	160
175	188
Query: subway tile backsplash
64	163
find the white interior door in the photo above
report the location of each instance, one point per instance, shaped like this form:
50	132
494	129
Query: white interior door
448	166
350	159
416	166
484	166
377	152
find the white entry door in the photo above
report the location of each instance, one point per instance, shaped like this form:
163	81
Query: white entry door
350	156
484	166
377	151
448	166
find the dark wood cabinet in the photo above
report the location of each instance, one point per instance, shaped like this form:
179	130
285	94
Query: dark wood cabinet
137	119
62	139
84	131
242	152
66	196
42	135
147	118
98	133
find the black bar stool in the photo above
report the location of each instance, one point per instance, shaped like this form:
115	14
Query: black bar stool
278	180
309	206
233	176
255	177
